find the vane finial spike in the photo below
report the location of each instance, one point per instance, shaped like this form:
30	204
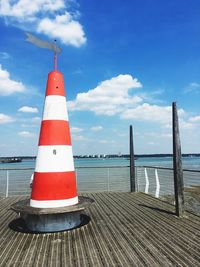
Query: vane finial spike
55	56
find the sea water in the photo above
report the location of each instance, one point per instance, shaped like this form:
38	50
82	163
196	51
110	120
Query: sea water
99	174
192	162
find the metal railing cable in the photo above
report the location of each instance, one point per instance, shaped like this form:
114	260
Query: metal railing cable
157	181
16	181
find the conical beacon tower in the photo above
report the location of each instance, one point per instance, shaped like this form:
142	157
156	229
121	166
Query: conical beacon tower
54	182
54	204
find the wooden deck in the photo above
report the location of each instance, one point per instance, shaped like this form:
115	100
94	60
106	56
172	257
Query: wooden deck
126	229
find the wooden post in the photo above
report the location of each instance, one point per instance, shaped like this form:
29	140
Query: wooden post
177	162
132	162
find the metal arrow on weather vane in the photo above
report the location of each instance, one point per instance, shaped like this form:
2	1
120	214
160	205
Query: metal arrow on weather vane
44	44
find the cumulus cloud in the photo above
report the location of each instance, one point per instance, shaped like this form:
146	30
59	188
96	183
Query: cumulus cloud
26	10
9	86
104	141
5	118
50	17
152	113
76	137
96	128
185	125
166	135
167	126
194	119
3	145
118	96
27	109
36	119
26	134
33	122
194	84
110	97
76	130
192	87
64	28
4	55
152	96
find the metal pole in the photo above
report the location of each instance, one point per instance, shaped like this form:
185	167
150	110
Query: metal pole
55	57
157	184
177	162
7	182
108	180
55	61
146	181
132	162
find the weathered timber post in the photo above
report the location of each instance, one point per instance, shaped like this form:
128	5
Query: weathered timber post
177	163
132	162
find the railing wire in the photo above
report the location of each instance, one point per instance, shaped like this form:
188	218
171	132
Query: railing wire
157	181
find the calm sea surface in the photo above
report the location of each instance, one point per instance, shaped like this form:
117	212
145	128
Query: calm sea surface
188	162
101	179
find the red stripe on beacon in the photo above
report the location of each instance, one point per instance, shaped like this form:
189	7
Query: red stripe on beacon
54	182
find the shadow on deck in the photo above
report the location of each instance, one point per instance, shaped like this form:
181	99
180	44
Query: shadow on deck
126	229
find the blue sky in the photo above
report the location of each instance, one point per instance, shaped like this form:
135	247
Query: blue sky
124	62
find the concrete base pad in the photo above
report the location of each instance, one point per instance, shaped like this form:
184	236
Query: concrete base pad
51	219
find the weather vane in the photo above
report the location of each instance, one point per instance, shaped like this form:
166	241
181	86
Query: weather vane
44	44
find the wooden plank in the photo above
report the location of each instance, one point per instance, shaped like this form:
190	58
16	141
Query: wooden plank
126	229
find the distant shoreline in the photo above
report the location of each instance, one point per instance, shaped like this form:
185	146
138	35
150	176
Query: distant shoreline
110	156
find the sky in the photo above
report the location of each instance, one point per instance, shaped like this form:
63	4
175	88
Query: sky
124	62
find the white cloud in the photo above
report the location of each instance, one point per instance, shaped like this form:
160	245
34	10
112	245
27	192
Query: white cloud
184	125
49	17
64	28
114	97
152	143
3	145
110	97
125	134
76	130
152	96
194	84
152	113
167	126
77	71
103	141
5	118
76	137
26	134
148	112
27	109
34	122
192	87
152	134
8	86
4	55
96	128
36	119
26	9
194	119
166	135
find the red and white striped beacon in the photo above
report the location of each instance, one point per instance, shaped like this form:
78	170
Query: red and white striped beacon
54	181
